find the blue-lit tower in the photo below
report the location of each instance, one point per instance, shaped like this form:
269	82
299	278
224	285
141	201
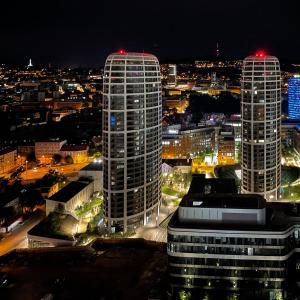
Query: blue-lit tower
294	97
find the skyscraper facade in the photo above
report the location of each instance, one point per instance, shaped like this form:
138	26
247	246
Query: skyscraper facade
294	97
261	123
132	145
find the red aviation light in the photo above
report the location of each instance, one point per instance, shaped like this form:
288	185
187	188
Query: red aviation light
121	51
260	54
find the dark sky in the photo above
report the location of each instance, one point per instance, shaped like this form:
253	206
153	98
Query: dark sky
83	33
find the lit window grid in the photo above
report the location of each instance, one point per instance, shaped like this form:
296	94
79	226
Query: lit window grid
261	92
141	73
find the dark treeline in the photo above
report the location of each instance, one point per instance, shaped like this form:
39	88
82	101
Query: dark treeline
225	103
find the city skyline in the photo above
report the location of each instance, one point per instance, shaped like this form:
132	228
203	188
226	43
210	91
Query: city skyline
71	34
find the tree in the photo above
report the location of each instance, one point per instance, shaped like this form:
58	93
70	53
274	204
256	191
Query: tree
69	159
30	199
57	158
184	295
60	208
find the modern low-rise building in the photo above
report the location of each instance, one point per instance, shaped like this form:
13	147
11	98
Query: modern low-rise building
71	196
235	244
43	235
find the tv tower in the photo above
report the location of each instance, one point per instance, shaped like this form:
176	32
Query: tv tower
217	50
30	63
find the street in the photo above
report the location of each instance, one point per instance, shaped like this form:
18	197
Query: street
14	239
156	231
39	172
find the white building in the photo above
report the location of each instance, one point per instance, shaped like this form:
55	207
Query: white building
261	120
132	117
75	194
95	171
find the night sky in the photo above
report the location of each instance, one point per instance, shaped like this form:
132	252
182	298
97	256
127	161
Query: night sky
82	33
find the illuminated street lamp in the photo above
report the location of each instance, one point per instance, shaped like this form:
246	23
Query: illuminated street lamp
26	162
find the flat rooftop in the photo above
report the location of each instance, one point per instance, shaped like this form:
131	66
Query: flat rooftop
6	150
94	166
279	217
233	201
69	191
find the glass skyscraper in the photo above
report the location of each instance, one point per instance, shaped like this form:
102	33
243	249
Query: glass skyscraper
261	126
132	145
294	97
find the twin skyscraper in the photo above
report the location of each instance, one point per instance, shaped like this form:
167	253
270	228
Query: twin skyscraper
132	134
132	142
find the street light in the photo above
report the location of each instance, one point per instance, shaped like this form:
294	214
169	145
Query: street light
26	162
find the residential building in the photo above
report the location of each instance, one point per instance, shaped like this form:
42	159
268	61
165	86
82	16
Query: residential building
188	143
8	157
132	117
79	153
45	150
261	126
226	146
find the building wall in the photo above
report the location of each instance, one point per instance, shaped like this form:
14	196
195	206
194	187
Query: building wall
226	151
44	151
97	177
257	263
188	143
83	196
8	161
77	156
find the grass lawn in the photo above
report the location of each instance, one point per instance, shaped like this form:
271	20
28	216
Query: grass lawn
291	193
168	191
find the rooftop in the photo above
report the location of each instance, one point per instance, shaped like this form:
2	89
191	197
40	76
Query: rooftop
202	185
69	191
65	230
279	217
235	201
74	148
94	166
5	198
6	150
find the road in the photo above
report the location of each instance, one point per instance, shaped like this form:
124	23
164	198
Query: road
18	236
156	232
39	172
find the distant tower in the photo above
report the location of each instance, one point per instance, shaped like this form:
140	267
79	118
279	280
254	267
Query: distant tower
213	79
131	139
217	51
172	75
261	123
294	97
30	63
